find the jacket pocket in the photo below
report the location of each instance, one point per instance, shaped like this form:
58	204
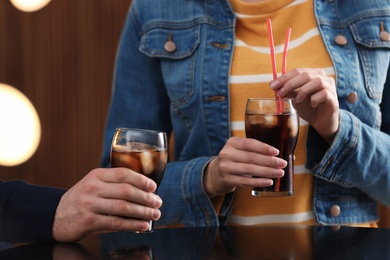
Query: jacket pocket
177	59
373	51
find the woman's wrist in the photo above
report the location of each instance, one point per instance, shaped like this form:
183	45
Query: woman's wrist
207	182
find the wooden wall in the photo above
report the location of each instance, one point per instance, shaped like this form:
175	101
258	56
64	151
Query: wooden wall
62	58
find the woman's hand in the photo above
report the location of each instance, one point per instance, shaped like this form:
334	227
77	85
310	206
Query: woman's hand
315	98
240	160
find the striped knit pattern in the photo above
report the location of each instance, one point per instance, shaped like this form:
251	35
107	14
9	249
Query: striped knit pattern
250	75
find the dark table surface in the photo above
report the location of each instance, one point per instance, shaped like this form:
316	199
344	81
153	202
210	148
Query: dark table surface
219	243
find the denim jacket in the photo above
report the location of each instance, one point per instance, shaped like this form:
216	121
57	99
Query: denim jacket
186	89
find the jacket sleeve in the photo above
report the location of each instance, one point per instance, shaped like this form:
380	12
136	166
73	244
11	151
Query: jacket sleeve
358	157
140	100
27	211
385	105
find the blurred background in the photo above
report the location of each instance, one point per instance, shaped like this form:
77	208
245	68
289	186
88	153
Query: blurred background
61	58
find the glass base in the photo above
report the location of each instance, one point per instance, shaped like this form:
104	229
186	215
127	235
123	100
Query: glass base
263	193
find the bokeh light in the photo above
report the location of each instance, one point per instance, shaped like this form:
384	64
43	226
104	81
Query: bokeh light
20	128
29	5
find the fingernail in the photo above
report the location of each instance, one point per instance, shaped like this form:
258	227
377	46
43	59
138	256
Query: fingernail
274	84
156	214
273	151
151	184
158	201
279	173
280	92
282	163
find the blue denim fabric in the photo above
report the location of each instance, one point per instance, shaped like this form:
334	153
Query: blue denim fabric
188	91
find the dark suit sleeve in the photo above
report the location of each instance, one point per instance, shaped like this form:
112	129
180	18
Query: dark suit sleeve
385	105
27	211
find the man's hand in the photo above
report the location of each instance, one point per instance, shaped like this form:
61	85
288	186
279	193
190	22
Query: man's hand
114	199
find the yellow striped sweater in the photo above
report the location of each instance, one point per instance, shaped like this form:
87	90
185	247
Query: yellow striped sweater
250	75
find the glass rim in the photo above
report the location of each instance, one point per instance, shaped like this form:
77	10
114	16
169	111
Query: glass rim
272	99
140	130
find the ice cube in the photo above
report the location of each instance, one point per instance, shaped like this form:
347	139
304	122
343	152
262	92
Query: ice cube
293	125
264	120
146	158
270	120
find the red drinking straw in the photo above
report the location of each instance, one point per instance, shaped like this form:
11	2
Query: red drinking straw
279	101
272	48
273	59
279	104
284	61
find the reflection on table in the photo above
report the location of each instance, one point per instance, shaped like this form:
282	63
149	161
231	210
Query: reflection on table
300	242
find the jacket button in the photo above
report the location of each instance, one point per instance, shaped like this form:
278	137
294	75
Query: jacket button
385	36
335	211
340	40
352	97
170	46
